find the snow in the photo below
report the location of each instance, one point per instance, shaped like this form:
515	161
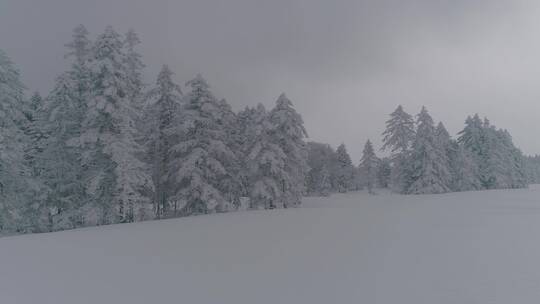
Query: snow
470	247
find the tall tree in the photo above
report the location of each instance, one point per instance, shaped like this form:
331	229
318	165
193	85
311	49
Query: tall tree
321	156
397	138
15	184
324	186
430	171
288	132
35	133
499	162
162	131
63	111
202	157
117	179
134	65
368	166
345	175
265	160
383	172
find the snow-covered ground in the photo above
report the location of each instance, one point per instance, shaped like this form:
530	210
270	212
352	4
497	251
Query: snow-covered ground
476	247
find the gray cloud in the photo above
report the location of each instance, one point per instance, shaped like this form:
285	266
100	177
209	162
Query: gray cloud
345	64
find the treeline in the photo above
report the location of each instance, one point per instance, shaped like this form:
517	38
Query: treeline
103	147
425	159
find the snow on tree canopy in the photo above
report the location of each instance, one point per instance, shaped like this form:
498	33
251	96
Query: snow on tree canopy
161	132
202	157
15	184
115	171
429	163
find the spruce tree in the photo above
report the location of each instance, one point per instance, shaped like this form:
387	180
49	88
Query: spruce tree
16	186
203	159
397	138
118	180
345	175
368	166
429	163
324	186
162	131
287	131
134	65
35	134
61	158
321	156
265	160
383	172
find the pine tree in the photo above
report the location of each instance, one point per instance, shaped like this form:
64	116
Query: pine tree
34	132
80	45
265	160
162	123
324	186
532	165
430	165
499	162
383	172
464	169
287	131
16	187
134	64
346	170
60	160
397	138
368	165
321	156
117	179
62	170
202	157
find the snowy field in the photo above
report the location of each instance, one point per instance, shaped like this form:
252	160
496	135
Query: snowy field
476	247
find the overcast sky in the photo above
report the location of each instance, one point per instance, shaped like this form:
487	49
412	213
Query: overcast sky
344	64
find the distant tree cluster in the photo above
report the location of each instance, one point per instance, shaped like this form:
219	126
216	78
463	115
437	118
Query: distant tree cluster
103	147
424	159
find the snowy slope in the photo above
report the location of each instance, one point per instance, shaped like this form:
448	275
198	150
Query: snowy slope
476	247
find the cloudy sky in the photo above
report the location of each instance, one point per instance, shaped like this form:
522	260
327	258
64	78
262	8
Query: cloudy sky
344	64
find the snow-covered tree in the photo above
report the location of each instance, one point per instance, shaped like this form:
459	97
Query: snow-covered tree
265	159
35	133
276	155
368	166
16	187
60	160
383	172
533	169
397	138
499	162
321	156
80	46
118	181
203	159
80	49
430	171
287	131
324	186
510	172
465	175
162	125
134	64
345	174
